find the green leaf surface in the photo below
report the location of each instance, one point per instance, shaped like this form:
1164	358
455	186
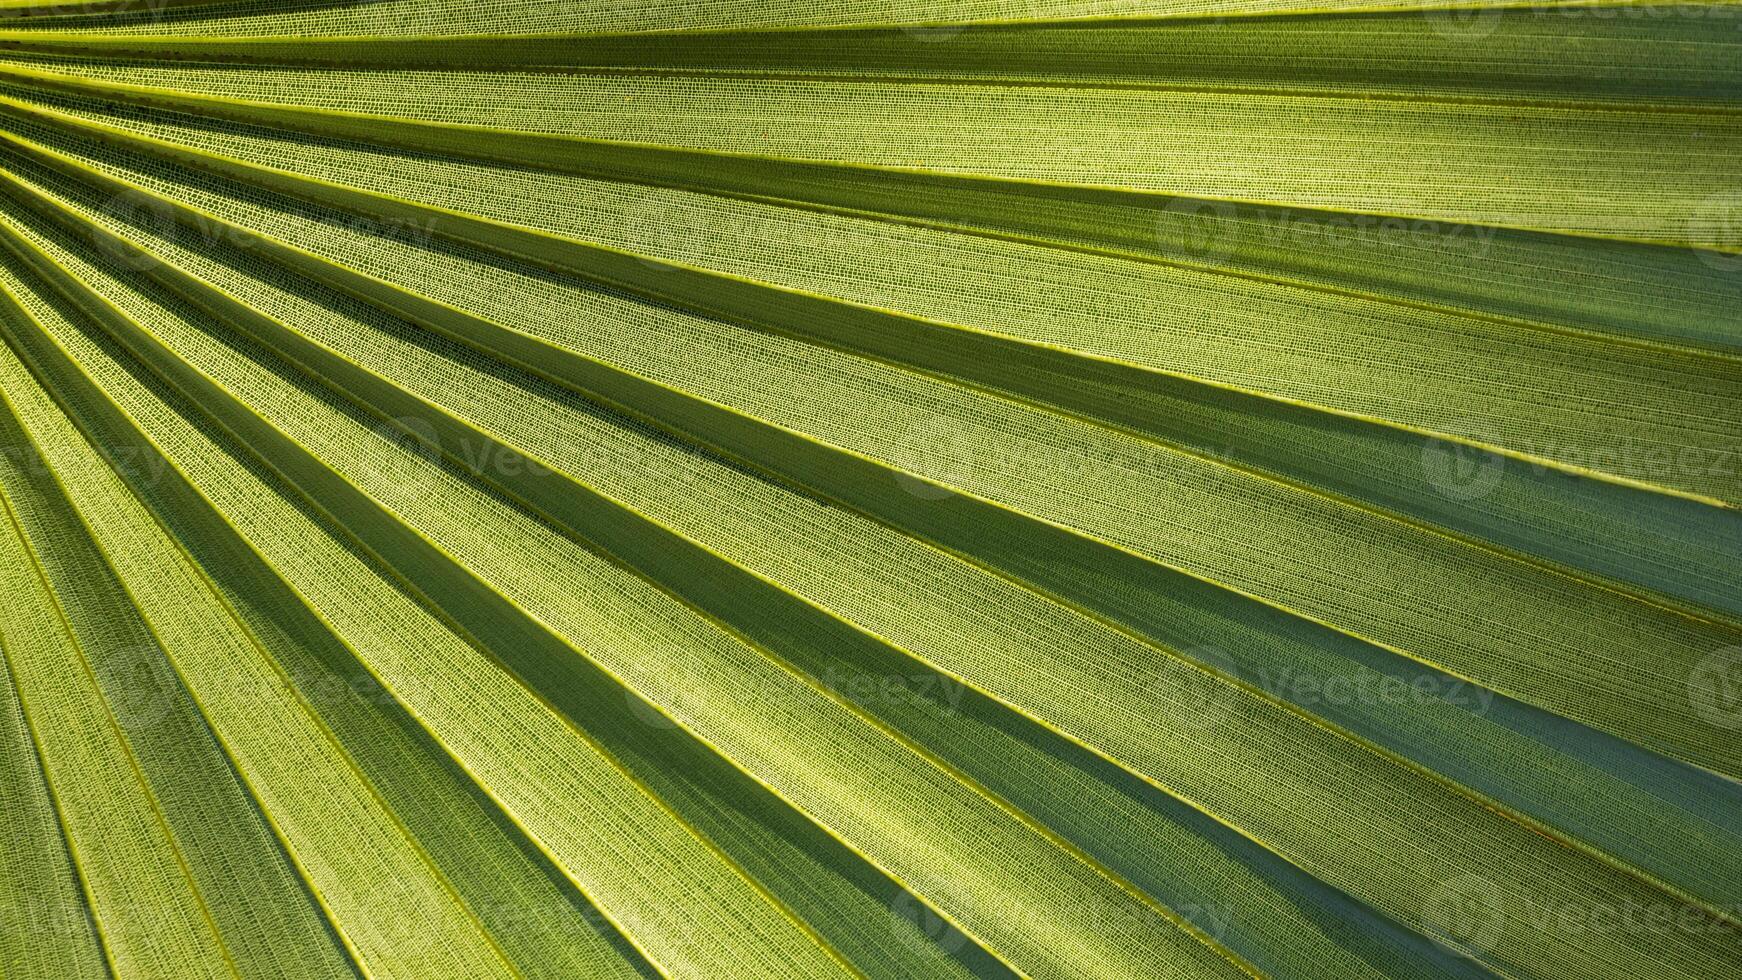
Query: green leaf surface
877	488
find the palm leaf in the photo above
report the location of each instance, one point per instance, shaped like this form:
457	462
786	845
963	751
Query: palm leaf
870	488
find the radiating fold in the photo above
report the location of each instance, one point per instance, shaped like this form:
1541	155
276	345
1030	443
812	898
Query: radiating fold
870	488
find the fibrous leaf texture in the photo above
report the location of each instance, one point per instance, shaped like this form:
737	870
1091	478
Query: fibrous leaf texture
870	488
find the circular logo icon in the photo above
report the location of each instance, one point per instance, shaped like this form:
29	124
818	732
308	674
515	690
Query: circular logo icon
145	688
1459	471
1467	913
53	919
672	234
932	33
1193	228
1462	23
932	455
1191	699
1715	230
413	442
1715	688
915	925
644	710
141	210
396	687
